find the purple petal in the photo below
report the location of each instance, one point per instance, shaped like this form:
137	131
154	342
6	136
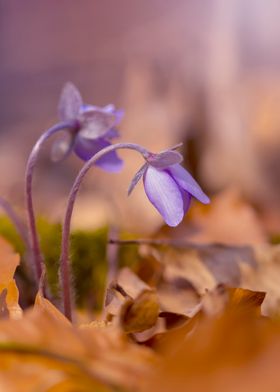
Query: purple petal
137	177
118	113
95	123
186	200
86	148
164	159
69	103
111	134
178	145
109	108
85	107
62	147
164	194
188	183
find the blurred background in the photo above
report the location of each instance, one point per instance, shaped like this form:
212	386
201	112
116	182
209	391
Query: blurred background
203	72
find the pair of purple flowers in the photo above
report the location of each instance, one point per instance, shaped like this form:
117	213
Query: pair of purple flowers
88	131
168	186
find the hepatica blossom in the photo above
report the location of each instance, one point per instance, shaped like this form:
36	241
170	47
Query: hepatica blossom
168	186
93	129
88	131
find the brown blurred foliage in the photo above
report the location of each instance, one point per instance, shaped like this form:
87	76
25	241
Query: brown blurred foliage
203	73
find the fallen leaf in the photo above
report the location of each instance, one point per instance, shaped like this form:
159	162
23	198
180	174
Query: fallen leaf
127	285
204	266
45	304
235	351
265	277
9	261
57	354
130	283
229	220
141	313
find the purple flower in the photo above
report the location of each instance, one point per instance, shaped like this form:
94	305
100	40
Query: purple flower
168	185
93	129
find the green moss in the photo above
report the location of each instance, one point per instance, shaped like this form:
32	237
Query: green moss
128	255
89	266
50	238
88	256
8	231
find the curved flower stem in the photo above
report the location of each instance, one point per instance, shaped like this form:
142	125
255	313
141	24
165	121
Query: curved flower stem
64	256
112	261
32	160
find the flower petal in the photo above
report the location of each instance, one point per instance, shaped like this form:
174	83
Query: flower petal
188	183
95	123
62	147
86	148
69	103
118	113
111	134
137	178
186	200
164	194
164	159
109	108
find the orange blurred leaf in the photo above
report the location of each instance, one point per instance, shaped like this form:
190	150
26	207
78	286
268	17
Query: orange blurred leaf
229	219
141	313
9	261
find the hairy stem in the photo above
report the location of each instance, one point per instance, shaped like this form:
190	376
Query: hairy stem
112	257
64	256
32	160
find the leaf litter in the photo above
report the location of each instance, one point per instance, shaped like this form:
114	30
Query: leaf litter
190	316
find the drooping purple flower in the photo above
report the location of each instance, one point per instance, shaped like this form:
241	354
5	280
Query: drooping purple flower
93	130
168	186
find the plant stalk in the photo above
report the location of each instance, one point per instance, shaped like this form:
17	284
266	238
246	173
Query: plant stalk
64	256
31	163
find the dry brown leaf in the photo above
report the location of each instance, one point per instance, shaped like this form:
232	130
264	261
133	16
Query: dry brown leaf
201	268
177	300
205	266
236	351
126	286
9	261
265	277
141	313
3	304
58	353
114	301
223	298
130	283
246	300
43	303
150	270
229	220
